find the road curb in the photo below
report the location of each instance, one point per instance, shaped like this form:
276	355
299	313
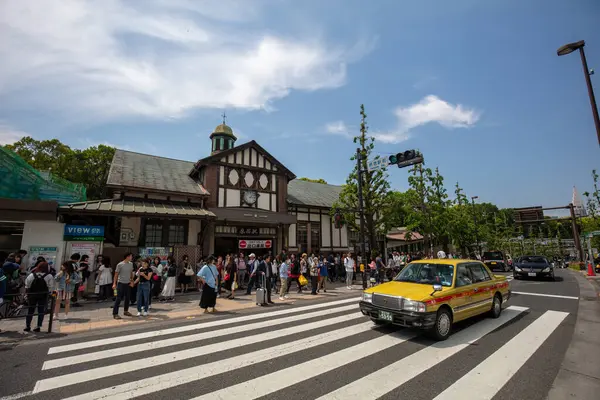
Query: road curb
579	374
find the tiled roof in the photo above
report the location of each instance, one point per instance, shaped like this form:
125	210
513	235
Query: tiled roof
144	171
313	194
402	236
147	208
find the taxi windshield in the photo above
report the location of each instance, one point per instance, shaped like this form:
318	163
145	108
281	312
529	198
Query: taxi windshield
428	274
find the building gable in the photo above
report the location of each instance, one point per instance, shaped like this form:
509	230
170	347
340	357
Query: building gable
249	155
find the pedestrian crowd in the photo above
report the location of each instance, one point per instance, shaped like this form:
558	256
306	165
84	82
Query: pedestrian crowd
137	281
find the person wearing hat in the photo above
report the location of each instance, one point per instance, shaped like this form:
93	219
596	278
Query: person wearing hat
208	276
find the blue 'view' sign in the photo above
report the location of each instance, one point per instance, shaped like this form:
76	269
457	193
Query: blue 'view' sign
83	230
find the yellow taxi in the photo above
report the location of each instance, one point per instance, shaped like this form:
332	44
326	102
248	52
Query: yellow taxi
433	294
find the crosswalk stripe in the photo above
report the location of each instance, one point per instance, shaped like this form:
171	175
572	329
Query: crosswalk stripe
275	381
556	296
142	363
108	353
187	328
170	379
380	382
485	380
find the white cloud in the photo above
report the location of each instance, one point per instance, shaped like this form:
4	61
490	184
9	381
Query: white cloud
338	128
112	59
9	135
430	109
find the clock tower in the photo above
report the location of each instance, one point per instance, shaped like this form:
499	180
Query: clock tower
247	189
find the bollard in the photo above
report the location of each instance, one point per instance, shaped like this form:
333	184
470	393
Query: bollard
590	269
52	305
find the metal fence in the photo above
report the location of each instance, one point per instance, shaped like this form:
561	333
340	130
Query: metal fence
19	307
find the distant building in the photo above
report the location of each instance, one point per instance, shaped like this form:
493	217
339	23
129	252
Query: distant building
577	204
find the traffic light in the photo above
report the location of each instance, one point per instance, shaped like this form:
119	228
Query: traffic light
405	159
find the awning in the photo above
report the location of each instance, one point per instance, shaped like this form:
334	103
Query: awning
141	207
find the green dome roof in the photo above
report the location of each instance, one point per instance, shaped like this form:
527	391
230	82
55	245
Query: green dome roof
223	129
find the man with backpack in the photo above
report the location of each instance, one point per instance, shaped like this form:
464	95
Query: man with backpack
38	285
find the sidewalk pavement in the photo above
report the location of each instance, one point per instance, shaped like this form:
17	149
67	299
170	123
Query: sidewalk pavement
579	375
95	315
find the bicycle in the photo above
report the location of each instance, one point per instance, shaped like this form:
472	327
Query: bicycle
13	307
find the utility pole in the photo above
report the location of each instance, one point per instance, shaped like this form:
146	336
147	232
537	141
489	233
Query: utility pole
361	216
576	233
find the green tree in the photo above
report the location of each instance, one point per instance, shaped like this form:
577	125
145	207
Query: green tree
320	180
88	166
461	225
374	189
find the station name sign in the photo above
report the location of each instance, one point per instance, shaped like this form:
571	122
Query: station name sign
255	244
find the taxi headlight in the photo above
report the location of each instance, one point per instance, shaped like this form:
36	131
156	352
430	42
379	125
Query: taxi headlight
415	306
368	297
547	269
517	269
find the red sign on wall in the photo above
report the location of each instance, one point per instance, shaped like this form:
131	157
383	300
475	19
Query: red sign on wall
255	244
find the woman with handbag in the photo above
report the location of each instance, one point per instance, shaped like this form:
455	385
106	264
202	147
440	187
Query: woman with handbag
185	276
168	292
230	276
208	275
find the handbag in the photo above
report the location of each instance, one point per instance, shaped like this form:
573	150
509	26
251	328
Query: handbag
227	276
97	289
303	281
189	272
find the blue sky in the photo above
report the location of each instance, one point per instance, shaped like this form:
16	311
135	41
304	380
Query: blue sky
475	85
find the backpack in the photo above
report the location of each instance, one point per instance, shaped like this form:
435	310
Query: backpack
39	285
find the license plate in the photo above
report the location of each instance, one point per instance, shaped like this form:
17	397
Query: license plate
493	262
386	316
532	274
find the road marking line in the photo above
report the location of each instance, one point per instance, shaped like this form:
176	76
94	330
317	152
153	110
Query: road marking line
186	328
485	380
168	380
197	337
16	396
546	295
137	364
275	381
390	377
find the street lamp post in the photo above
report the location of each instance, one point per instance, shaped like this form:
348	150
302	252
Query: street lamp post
475	221
568	49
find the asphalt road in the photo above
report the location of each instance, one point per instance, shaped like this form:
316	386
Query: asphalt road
324	350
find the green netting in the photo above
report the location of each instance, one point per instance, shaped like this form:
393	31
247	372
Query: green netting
19	180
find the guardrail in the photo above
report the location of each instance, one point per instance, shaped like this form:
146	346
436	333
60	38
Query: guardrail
18	307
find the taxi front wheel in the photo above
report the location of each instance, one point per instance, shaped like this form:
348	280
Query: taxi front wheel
496	306
443	325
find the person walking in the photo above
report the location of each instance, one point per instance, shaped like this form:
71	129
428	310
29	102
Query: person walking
144	279
323	272
38	285
122	282
264	268
314	275
349	266
208	275
284	270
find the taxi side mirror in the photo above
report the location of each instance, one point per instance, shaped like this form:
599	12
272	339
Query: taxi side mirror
436	288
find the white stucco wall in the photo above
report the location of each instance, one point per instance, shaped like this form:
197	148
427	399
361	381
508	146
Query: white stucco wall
44	234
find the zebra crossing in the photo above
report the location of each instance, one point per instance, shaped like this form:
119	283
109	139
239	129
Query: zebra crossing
324	351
